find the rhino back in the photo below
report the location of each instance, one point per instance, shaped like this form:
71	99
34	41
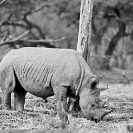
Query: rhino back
36	67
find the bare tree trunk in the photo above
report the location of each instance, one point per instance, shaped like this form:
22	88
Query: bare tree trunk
113	43
84	35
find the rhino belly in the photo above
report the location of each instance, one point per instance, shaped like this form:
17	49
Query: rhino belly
37	89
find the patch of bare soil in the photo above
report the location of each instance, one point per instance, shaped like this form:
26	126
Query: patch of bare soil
41	117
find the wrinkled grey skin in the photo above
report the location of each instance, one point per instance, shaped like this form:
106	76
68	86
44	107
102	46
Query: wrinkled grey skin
46	72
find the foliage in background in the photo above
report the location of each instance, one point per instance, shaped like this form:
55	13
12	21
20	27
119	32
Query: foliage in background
112	26
45	19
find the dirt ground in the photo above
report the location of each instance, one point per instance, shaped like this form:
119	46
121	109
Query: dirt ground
40	117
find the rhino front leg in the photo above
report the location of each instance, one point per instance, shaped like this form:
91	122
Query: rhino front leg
7	100
19	101
60	94
73	104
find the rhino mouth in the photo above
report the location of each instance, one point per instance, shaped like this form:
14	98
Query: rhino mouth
100	110
97	119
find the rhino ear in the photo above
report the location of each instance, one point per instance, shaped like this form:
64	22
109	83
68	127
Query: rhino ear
93	83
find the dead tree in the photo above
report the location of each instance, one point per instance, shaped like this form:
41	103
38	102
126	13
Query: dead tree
84	35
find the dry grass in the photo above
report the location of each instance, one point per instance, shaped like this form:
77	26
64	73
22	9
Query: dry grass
42	116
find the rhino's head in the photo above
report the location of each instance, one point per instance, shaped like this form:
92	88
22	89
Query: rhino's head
91	105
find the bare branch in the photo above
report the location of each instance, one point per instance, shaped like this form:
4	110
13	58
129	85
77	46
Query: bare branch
5	23
22	35
2	40
14	24
57	40
30	43
28	25
26	20
32	25
113	15
125	4
11	38
43	40
41	7
8	22
2	2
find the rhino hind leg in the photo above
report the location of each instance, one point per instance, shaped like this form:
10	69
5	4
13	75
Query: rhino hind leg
19	96
19	100
8	85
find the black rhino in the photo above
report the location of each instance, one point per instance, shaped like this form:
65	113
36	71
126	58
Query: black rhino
44	72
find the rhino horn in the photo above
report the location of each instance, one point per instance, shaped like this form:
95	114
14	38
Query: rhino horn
103	102
93	82
103	88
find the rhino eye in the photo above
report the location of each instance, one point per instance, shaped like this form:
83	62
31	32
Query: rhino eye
92	105
93	85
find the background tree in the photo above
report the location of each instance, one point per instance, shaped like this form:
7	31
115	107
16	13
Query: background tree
83	45
111	33
44	19
114	19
